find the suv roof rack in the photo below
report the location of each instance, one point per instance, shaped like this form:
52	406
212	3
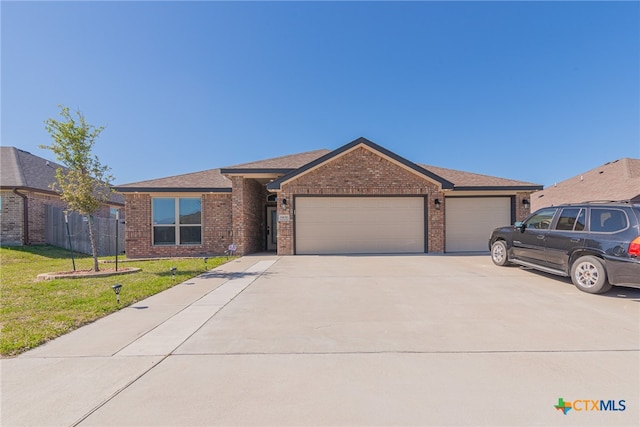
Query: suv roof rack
607	201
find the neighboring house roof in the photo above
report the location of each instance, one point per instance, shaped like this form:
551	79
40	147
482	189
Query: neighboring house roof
616	180
288	167
474	181
20	169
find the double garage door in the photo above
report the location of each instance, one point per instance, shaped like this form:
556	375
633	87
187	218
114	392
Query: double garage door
367	225
359	225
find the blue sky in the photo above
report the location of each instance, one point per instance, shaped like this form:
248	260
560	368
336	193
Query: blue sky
532	91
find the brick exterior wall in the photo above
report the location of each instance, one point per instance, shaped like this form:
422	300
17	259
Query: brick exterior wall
249	210
11	219
435	222
217	232
217	222
522	210
361	172
13	216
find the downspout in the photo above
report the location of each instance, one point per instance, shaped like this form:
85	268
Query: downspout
25	216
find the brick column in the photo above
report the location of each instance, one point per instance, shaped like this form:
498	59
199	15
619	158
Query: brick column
285	229
248	210
522	210
435	222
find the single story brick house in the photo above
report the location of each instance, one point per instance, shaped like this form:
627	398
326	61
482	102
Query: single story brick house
615	181
359	198
25	193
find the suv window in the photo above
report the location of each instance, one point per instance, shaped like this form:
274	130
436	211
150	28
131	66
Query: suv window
607	220
541	220
571	219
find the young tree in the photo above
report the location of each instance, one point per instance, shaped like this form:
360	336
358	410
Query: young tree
85	184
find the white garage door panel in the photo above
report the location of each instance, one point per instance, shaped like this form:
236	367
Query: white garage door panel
335	225
470	221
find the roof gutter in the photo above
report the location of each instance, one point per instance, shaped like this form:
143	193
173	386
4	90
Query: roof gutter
499	188
172	190
25	216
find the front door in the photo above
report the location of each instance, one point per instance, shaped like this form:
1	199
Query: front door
272	228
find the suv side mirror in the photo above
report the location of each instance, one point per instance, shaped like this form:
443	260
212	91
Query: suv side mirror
520	226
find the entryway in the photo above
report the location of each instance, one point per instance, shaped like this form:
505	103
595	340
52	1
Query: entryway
272	228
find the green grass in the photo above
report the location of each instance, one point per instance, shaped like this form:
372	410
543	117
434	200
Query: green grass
33	312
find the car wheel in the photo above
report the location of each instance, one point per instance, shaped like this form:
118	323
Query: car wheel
589	275
499	253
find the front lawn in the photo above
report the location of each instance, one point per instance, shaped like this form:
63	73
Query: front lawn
33	312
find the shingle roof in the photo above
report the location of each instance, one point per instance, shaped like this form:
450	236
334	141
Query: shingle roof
208	180
616	180
468	180
292	161
215	179
23	170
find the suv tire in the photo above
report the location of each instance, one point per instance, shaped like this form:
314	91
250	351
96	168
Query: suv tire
589	275
499	253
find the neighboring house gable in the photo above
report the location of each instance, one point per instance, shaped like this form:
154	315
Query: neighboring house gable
360	197
21	169
613	181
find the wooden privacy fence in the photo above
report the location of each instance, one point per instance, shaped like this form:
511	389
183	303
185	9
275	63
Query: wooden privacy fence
105	232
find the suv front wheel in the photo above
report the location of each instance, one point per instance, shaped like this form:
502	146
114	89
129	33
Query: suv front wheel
589	275
499	253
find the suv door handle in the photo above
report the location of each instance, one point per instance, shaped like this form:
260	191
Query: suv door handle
575	240
540	236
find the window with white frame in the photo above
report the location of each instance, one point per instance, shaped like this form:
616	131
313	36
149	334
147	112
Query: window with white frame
177	221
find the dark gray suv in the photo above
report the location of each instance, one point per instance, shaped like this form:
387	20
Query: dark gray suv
596	243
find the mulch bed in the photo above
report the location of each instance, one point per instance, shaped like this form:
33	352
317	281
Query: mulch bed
87	273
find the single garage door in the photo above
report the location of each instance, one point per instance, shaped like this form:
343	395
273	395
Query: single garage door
470	221
359	225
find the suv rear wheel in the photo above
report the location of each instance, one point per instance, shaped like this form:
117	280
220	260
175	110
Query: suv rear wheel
499	253
589	275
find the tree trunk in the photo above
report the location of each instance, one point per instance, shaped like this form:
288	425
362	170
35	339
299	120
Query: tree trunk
94	248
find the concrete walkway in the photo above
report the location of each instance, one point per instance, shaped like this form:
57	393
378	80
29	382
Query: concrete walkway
65	380
376	340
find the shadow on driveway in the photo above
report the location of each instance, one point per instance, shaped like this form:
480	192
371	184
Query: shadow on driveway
624	292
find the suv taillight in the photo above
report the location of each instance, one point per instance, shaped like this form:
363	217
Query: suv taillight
634	247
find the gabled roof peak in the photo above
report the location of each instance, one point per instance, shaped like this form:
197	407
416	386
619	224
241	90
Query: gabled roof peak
275	185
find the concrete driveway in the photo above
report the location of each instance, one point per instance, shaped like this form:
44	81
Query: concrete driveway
338	340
